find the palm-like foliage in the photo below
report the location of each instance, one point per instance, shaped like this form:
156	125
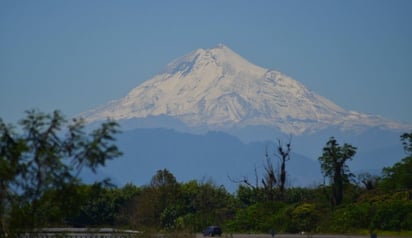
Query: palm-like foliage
333	166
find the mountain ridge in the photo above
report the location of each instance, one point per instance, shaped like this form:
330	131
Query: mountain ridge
218	89
170	121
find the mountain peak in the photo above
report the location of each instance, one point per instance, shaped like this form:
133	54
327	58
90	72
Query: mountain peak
216	88
222	49
220	56
221	45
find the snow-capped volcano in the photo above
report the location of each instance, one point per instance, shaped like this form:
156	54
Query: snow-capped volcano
216	88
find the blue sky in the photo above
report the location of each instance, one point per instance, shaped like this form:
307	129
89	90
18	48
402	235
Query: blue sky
76	55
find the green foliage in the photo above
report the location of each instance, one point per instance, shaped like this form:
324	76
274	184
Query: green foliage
406	139
399	176
46	156
333	165
346	219
392	215
39	170
246	195
205	204
305	217
297	194
259	217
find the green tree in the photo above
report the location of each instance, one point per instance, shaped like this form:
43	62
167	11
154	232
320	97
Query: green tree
157	200
393	215
99	206
126	201
246	195
48	154
167	189
204	204
305	217
333	165
406	139
11	150
399	176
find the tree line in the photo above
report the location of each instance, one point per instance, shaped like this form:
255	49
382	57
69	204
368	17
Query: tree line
40	186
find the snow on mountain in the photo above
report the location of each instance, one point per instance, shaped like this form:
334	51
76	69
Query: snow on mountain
216	88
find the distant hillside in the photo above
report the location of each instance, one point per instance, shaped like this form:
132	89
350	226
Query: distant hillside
219	156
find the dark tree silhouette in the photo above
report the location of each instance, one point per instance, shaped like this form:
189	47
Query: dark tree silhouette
333	165
266	187
406	139
284	155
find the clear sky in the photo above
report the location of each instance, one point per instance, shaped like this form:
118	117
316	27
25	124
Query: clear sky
78	54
